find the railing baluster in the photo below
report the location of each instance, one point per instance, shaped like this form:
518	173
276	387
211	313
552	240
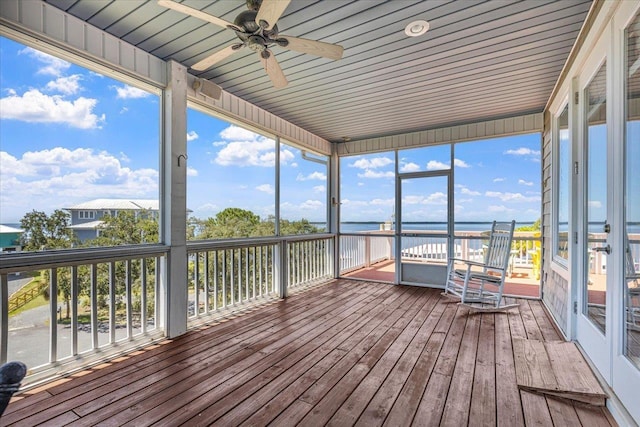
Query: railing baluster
94	305
127	288
224	278
253	266
206	287
112	302
4	317
143	295
215	280
196	284
74	310
53	312
156	292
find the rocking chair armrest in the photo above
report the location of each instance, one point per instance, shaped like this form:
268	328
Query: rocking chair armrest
468	262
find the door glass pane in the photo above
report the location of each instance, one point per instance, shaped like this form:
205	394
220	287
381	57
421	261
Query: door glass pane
564	185
632	195
596	209
424	229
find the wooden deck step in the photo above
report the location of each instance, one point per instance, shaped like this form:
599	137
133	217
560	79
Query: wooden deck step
556	368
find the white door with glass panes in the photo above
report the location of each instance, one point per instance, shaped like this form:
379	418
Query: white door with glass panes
608	199
626	242
594	210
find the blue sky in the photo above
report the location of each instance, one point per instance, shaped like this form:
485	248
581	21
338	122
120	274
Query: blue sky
69	135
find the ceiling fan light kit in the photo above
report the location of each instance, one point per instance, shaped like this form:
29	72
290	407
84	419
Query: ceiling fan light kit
256	28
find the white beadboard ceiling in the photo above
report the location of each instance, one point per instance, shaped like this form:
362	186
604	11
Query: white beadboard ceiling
480	60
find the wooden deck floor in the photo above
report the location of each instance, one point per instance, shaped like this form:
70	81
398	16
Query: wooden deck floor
345	353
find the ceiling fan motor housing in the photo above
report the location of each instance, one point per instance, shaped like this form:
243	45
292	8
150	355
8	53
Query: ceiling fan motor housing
253	35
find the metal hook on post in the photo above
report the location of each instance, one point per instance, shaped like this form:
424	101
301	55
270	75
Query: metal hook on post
182	156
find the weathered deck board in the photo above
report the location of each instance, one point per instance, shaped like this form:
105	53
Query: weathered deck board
346	353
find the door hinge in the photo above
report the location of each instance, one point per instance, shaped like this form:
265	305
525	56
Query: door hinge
575	237
575	307
575	168
576	97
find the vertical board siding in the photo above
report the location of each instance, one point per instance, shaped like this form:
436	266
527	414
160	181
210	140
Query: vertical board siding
555	289
490	129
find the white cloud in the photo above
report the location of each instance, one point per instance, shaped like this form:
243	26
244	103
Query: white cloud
523	182
512	197
354	203
266	188
60	177
36	107
460	163
437	198
409	167
319	189
52	66
595	204
383	202
498	179
313	175
436	165
499	208
466	191
236	133
376	174
523	151
252	153
66	85
192	135
123	110
130	92
361	184
245	148
192	171
311	205
374	163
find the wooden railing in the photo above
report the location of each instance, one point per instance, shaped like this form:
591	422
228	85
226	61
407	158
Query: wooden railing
23	297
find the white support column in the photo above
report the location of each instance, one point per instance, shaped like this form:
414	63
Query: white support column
173	200
333	222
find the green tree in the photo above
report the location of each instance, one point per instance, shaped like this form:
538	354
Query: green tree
46	232
127	228
231	223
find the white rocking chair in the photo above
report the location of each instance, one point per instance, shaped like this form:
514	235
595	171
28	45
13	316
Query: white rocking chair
480	285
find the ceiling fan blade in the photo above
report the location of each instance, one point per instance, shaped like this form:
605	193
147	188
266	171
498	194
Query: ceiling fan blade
270	11
195	13
212	59
326	50
274	71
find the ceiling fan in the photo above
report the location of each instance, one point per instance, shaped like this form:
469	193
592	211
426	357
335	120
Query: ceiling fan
256	28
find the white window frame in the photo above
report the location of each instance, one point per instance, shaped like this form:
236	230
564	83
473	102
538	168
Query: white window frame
555	179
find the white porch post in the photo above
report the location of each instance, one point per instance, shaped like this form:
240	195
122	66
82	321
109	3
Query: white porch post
173	200
333	222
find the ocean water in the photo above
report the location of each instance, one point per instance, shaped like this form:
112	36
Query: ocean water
353	227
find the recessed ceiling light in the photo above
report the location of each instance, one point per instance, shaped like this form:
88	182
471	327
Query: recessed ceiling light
416	28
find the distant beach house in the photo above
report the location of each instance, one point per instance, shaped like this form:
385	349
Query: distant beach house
86	217
10	239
